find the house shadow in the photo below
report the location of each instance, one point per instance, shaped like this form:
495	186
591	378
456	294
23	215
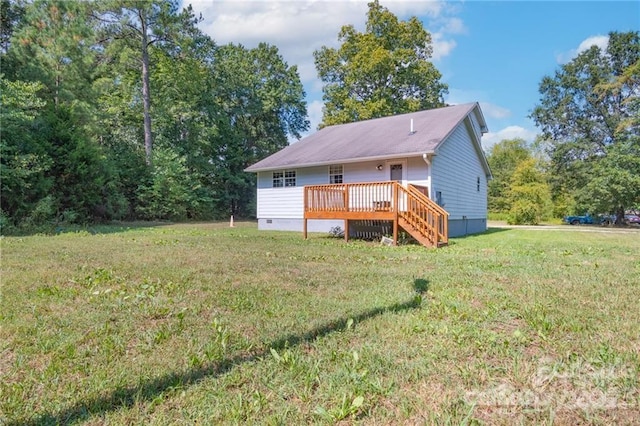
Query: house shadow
126	397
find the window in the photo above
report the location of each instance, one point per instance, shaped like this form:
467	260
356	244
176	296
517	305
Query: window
335	174
282	179
278	179
290	178
439	200
478	183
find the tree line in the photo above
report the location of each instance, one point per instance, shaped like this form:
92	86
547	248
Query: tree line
120	109
587	156
124	109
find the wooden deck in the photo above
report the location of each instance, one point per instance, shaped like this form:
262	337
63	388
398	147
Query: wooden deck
408	208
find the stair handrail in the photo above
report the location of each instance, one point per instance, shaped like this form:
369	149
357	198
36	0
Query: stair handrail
418	221
440	230
432	204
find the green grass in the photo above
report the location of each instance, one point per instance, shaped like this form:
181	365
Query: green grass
207	324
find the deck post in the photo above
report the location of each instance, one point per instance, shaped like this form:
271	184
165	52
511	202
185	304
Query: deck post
395	213
345	198
304	228
395	230
346	230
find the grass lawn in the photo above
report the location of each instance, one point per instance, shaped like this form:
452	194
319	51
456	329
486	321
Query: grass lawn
202	323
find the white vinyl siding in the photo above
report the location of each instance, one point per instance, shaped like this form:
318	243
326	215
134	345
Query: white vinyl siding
286	202
364	172
476	125
280	202
418	173
456	169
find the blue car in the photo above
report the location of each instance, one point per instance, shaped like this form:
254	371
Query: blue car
580	220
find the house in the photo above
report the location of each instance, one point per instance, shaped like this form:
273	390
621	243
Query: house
424	172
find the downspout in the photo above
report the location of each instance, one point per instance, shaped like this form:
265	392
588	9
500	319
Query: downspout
427	159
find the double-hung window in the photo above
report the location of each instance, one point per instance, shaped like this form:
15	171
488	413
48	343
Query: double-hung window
335	174
290	178
278	179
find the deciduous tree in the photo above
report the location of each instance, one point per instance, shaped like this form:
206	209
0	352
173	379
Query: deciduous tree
503	158
382	71
588	113
529	194
259	105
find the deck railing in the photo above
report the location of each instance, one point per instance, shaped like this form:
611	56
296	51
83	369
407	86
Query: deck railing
352	197
426	215
381	201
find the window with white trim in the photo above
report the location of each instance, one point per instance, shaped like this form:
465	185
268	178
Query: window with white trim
278	179
335	173
290	178
286	178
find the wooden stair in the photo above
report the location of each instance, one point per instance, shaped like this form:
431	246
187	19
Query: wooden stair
408	208
422	218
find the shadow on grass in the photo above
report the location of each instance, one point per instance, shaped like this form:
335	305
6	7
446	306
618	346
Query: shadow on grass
126	397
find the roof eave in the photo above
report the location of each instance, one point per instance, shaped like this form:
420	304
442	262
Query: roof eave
252	169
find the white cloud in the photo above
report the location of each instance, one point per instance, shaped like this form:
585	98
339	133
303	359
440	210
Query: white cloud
602	41
298	28
315	115
510	132
441	47
454	26
494	111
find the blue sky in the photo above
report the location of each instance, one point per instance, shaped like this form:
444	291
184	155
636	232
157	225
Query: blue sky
492	52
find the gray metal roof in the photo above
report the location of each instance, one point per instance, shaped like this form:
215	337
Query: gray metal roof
387	137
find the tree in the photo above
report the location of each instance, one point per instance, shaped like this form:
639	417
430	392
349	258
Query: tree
588	113
383	71
11	14
84	182
529	194
24	163
259	105
53	46
503	158
131	27
72	103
